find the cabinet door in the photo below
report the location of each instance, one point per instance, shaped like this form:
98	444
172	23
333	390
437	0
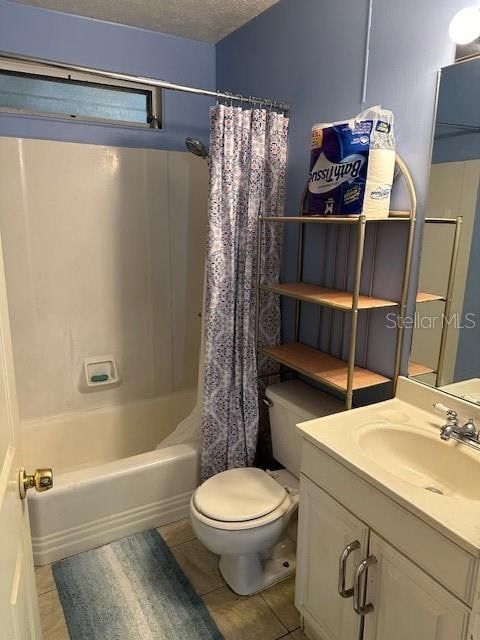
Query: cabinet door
325	529
407	603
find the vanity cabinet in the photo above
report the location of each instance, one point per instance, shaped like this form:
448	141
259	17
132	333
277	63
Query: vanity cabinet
407	602
326	530
402	601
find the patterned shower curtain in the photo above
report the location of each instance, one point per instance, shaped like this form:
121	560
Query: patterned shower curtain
248	153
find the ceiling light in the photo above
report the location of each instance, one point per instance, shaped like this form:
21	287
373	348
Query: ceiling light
465	25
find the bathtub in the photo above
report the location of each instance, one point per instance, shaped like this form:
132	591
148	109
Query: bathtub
109	480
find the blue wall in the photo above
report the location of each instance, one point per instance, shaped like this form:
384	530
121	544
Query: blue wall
53	35
308	52
451	144
311	54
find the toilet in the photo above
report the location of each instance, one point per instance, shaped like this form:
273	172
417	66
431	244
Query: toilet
247	516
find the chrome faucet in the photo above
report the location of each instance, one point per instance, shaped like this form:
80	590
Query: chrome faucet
452	424
467	433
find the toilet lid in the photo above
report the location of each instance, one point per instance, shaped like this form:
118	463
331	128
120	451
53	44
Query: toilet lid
238	495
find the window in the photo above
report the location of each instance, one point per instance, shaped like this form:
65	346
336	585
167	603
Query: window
38	89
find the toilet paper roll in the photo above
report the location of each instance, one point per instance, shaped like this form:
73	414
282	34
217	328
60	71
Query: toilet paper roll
378	188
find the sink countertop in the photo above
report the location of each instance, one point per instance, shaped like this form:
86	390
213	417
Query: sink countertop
455	516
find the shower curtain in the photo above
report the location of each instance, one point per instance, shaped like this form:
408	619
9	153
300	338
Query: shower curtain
248	153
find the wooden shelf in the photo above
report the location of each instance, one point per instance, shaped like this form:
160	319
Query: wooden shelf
416	369
322	367
337	219
334	298
428	297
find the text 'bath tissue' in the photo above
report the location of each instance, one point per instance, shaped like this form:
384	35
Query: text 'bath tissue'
352	165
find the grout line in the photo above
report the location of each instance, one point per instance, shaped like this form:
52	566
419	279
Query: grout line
280	621
42	593
179	544
289	633
213	591
54	585
45	593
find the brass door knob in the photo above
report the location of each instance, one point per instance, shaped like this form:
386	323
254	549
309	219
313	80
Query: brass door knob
41	480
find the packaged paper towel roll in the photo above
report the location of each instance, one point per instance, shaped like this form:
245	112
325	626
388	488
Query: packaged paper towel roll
352	165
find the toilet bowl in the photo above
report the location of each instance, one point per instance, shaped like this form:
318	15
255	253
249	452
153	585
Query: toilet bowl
243	515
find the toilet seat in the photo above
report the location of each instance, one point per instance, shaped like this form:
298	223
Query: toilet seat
238	499
238	495
276	514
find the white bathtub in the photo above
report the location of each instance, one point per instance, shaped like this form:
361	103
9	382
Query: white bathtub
109	481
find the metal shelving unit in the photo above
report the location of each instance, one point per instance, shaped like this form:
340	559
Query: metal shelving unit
343	376
416	369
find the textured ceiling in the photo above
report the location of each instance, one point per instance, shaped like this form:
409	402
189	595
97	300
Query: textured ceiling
208	20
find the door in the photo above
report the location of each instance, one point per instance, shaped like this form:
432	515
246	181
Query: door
19	618
326	532
407	603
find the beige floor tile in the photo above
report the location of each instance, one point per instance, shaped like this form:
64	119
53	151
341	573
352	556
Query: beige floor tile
280	598
177	532
241	618
199	565
44	578
53	622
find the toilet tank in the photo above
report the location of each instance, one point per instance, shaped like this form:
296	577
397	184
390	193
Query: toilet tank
292	402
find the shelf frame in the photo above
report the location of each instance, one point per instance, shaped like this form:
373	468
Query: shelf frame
346	219
360	222
407	271
447	298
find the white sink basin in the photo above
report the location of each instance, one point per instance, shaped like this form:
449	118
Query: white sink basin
395	447
422	459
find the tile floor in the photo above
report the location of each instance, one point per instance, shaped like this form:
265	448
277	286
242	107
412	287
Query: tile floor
269	615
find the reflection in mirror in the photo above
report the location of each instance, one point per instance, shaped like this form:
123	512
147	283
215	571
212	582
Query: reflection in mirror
446	336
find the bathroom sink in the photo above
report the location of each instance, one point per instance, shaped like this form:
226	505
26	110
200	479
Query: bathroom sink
395	447
422	459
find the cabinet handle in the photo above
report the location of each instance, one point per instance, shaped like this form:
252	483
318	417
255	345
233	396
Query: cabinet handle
360	587
342	569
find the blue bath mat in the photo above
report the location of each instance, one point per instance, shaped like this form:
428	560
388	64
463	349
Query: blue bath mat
131	589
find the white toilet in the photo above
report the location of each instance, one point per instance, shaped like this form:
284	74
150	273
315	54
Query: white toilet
242	515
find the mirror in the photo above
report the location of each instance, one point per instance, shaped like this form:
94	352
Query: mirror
446	327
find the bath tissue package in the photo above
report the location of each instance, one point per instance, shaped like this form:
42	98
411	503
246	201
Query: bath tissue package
352	165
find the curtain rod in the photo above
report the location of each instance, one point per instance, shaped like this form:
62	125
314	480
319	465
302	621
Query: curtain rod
163	84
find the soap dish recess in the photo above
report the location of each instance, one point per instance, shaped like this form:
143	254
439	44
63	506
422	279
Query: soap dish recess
100	366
